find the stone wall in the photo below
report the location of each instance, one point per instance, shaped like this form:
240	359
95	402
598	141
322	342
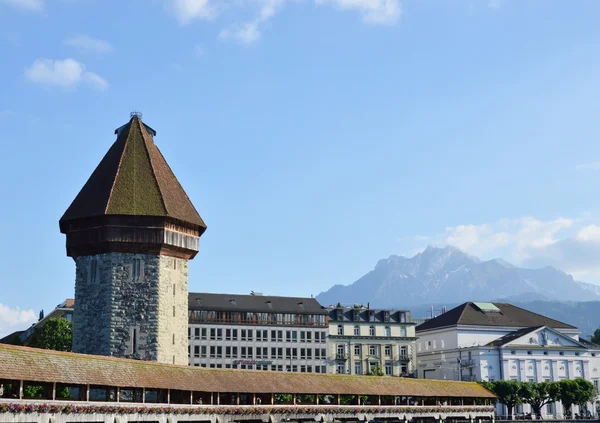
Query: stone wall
173	311
124	307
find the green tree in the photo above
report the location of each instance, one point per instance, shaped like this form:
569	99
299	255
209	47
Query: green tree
509	393
347	399
56	334
375	371
576	391
283	398
596	337
539	394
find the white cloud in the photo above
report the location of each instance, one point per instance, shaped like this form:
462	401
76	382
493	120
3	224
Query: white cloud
31	5
569	244
522	236
592	166
67	73
372	11
88	44
186	11
383	12
588	233
249	32
12	319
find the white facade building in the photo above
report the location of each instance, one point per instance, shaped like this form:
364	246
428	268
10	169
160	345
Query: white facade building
362	339
257	332
492	341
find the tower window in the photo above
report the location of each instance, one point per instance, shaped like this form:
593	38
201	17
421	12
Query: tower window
134	340
173	311
175	264
93	270
174	289
173	339
136	270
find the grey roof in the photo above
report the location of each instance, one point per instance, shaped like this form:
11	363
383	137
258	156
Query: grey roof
254	303
363	314
509	316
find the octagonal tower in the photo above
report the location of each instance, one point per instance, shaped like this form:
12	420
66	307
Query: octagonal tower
131	231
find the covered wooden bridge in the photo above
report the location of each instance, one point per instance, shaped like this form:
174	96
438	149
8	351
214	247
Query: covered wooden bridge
48	385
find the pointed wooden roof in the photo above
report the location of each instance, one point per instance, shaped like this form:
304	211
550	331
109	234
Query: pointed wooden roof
134	179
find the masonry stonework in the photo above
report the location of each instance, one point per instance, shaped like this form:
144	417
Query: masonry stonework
131	305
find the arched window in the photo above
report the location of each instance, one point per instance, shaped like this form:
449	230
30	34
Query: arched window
372	331
388	331
356	330
340	330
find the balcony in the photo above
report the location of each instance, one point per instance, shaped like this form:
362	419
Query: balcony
341	356
467	362
404	358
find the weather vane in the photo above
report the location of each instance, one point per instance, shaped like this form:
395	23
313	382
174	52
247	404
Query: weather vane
136	113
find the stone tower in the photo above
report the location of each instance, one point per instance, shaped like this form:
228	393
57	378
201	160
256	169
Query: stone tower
131	231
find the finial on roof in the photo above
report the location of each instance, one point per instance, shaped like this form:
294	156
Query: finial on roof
136	114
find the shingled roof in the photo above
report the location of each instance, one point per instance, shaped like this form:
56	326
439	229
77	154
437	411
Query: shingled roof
508	316
37	365
255	303
133	178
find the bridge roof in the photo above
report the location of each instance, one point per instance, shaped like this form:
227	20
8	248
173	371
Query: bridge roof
31	364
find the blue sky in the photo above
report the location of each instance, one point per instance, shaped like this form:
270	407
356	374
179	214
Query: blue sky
315	137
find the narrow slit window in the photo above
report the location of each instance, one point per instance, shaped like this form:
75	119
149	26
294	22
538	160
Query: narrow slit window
134	343
93	270
136	270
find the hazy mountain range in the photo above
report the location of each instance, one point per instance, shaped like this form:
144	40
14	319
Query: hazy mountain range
448	276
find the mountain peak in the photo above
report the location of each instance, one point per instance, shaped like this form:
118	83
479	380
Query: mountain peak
446	275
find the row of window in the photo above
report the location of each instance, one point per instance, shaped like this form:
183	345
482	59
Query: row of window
217	351
358	368
275	368
258	335
577	353
387	331
374	350
237	317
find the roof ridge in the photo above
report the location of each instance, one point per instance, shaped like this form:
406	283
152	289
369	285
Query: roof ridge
114	182
149	156
463	311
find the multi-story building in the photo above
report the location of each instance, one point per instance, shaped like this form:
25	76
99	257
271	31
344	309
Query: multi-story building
64	310
491	341
363	340
257	332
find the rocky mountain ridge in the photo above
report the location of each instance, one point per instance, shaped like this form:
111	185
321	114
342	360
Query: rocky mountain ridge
450	276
